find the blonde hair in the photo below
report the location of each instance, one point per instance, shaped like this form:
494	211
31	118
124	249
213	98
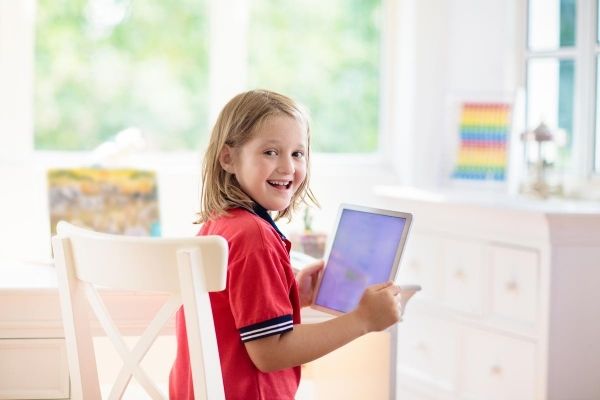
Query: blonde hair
235	125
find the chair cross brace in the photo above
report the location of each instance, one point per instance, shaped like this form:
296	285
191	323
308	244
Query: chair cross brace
131	359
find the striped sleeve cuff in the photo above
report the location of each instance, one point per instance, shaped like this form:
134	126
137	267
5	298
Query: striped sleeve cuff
270	327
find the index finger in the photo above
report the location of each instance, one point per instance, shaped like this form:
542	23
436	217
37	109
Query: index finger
396	290
381	286
313	267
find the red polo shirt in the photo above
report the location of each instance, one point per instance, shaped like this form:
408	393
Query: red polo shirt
260	300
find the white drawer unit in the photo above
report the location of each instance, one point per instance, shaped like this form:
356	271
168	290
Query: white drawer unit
33	369
510	302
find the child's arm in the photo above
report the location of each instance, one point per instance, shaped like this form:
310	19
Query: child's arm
377	310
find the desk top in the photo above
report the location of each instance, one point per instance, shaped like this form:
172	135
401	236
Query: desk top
19	275
491	200
22	281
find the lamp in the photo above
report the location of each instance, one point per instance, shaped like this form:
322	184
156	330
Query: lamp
540	150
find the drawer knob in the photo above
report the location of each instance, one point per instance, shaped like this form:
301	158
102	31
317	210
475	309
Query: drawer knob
460	274
512	286
421	347
496	370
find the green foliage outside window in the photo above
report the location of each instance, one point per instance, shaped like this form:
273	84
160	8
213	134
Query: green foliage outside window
568	24
105	65
325	54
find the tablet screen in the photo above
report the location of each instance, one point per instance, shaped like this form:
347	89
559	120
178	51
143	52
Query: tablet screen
365	250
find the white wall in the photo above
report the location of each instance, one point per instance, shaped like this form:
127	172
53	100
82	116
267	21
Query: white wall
16	55
442	48
25	228
463	48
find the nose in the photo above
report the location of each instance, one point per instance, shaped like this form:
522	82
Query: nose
286	165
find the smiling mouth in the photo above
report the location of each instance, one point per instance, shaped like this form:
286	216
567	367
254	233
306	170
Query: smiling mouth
280	184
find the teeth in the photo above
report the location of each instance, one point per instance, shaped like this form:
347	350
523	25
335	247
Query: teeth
279	183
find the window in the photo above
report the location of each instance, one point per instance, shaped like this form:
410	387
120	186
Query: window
103	66
326	55
562	66
597	59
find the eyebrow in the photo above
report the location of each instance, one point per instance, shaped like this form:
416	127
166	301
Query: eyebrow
277	142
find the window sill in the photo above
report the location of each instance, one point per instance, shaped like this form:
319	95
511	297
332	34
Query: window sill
323	164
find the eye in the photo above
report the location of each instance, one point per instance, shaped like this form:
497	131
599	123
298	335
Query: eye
298	154
270	153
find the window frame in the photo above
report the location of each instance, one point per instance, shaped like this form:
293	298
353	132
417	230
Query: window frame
227	77
595	43
585	150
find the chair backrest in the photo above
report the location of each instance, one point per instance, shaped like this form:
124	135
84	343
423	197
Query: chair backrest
187	269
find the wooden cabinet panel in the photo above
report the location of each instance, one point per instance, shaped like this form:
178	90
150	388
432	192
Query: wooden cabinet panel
497	367
33	369
420	265
428	351
463	275
515	287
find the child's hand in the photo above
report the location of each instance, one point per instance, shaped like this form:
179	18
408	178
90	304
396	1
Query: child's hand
307	280
379	306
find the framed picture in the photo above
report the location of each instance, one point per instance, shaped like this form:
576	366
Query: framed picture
118	201
478	147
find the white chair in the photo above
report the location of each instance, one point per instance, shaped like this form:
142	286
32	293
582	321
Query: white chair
187	269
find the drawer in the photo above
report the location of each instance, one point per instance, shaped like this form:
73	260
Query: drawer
515	277
427	352
33	369
464	270
497	367
409	390
420	265
409	393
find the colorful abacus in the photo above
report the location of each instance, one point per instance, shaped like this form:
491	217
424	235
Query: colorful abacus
482	152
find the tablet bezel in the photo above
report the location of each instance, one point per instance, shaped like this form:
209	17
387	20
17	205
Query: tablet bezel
399	248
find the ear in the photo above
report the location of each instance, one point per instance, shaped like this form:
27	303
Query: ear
226	159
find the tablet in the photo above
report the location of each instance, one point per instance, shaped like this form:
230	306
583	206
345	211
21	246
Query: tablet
366	248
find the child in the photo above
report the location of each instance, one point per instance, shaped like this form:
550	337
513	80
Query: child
257	162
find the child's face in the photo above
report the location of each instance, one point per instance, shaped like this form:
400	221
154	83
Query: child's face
272	164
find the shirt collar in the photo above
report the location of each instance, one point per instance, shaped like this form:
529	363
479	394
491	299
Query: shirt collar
264	214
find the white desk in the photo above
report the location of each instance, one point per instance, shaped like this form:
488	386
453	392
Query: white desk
33	361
